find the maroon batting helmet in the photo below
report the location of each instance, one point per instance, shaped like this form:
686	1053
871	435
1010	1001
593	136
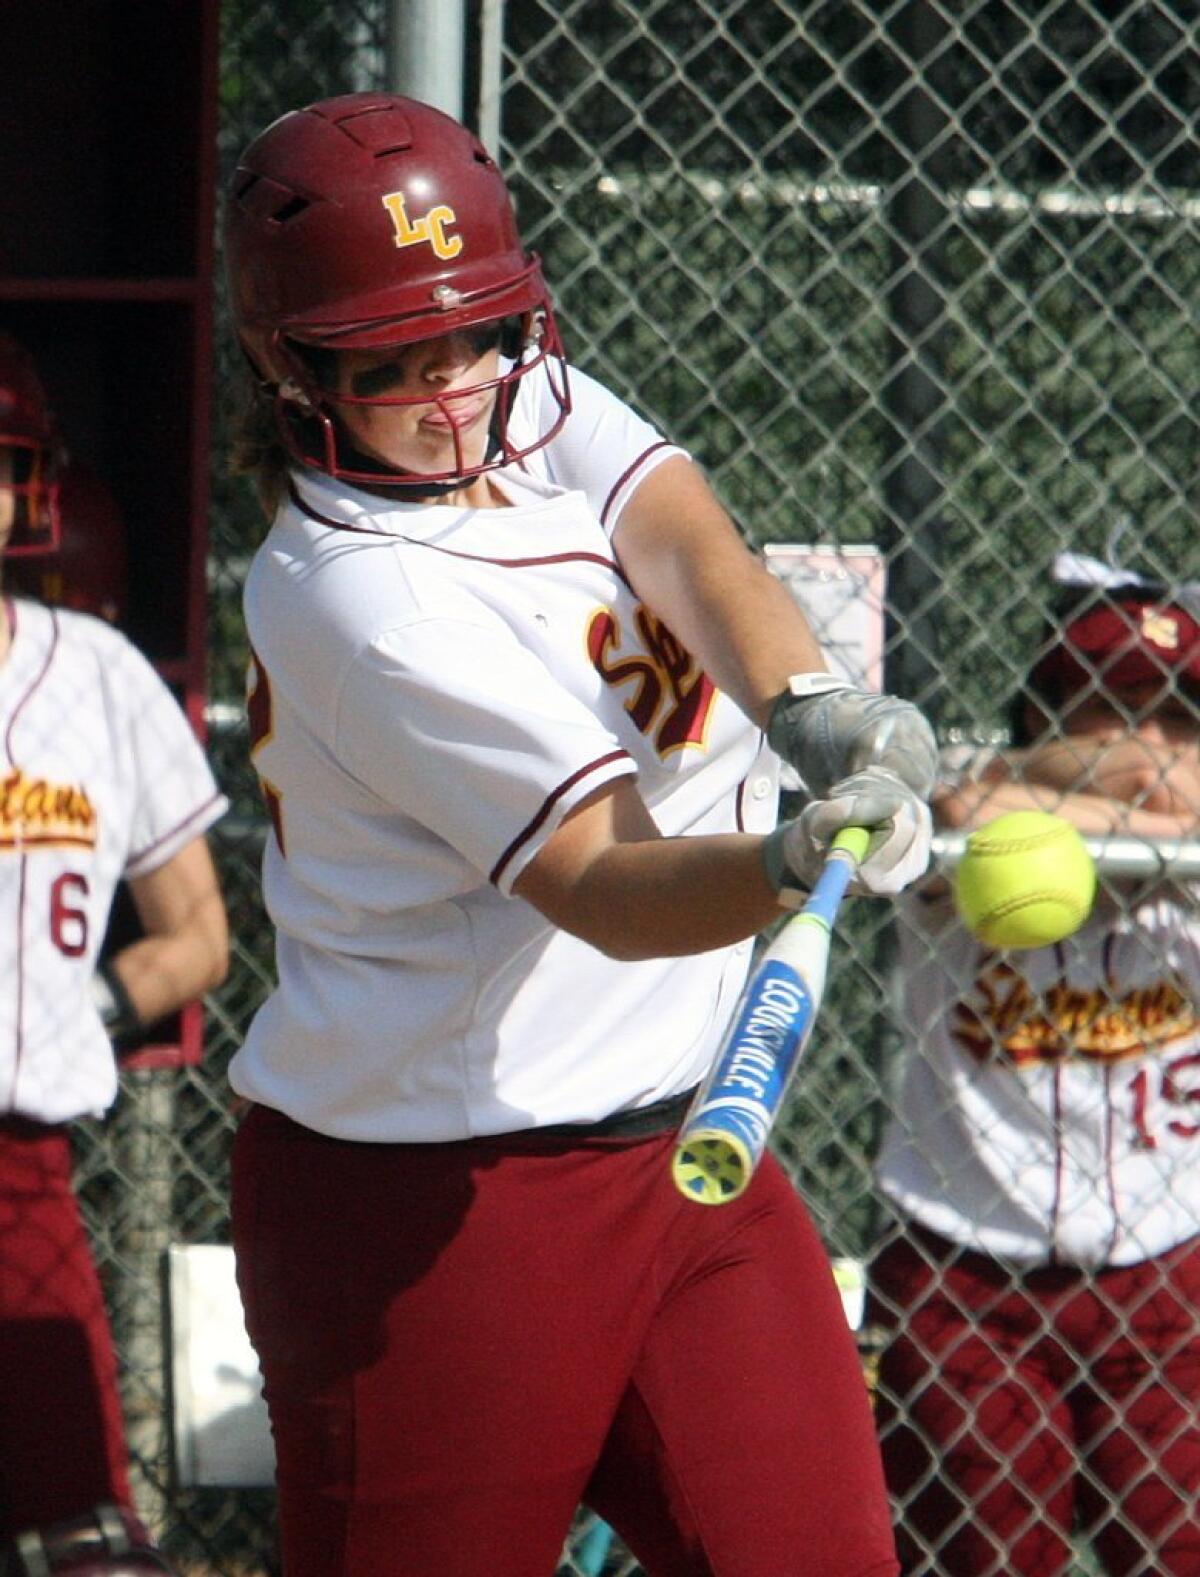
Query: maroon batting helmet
28	429
88	569
371	220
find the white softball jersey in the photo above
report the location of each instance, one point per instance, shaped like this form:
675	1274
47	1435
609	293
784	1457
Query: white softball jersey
1048	1109
603	448
432	690
101	778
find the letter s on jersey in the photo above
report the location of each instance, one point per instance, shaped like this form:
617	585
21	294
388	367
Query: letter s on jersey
662	671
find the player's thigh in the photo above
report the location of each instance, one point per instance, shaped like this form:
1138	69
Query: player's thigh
1139	1496
975	1433
744	1445
444	1333
61	1429
1140	1426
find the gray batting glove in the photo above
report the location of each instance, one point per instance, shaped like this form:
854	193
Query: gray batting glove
900	845
828	730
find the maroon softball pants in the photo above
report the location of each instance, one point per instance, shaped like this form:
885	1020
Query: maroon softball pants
62	1443
462	1342
1015	1408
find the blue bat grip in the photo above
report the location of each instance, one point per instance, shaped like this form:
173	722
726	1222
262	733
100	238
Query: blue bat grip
830	887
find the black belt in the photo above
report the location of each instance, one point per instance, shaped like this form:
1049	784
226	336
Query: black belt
14	1126
639	1122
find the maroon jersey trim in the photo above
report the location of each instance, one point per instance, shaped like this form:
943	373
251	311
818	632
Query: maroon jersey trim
196	815
627	473
1059	1165
454	553
548	805
19	1027
37	678
1110	1160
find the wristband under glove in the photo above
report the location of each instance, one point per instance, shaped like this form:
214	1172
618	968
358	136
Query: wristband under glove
828	729
116	1009
789	887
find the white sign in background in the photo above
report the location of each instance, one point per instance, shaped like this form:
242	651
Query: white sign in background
221	1436
841	590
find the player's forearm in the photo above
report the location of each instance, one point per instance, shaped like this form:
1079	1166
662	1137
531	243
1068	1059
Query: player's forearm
745	630
1144	774
184	950
686	561
662	897
1132	770
1095	815
678	896
161	973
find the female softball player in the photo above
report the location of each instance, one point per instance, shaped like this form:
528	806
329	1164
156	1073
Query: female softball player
1043	1158
101	778
511	664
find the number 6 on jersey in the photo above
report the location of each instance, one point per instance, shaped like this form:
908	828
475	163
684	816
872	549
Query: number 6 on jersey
725	1133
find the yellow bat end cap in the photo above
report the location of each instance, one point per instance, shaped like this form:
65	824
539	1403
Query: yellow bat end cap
711	1168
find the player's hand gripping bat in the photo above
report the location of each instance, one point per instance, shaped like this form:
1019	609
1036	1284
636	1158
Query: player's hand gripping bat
725	1133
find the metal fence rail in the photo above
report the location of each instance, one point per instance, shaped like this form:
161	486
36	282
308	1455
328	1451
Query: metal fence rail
915	274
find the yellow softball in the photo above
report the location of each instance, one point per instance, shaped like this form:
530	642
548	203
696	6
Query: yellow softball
1026	879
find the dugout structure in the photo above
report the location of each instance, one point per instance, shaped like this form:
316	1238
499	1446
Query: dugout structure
107	159
108	113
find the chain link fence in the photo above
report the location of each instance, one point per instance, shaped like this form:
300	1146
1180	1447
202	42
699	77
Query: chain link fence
915	275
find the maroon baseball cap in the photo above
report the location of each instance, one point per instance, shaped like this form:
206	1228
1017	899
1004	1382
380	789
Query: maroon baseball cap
1122	641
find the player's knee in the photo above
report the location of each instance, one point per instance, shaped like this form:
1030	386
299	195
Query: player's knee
106	1542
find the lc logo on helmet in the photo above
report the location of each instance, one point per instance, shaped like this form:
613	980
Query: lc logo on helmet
1160	629
428	229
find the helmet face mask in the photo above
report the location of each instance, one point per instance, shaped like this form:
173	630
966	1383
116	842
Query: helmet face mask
30	436
310	404
369	222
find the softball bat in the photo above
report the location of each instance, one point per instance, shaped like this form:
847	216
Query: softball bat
725	1133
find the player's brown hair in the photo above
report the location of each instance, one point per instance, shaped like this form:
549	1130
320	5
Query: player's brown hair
258	450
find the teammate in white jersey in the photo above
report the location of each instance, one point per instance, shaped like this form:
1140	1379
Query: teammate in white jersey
1043	1152
101	779
511	667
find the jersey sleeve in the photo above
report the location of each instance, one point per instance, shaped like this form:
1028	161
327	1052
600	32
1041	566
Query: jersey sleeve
463	729
176	797
604	448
